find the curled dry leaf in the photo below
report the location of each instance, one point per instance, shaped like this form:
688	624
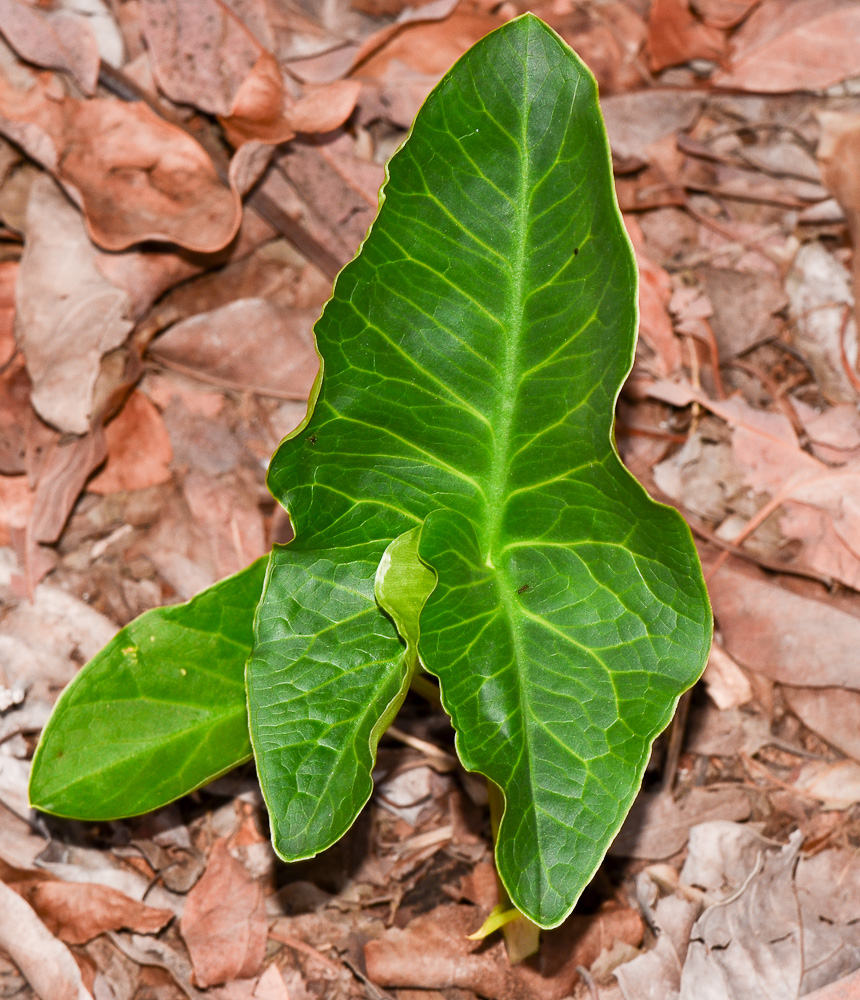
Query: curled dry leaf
224	923
46	963
135	176
52	38
204	55
801	45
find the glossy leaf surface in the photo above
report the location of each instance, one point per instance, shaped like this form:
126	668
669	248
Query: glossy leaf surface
158	712
473	353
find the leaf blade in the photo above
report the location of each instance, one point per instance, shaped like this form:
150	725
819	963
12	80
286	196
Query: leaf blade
137	729
474	352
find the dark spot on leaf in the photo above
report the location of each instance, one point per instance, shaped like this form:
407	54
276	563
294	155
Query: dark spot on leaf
312	439
575	251
523	589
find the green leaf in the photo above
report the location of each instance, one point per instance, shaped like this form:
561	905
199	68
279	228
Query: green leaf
473	353
158	712
403	583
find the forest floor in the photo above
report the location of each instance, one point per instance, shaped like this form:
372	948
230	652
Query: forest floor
179	184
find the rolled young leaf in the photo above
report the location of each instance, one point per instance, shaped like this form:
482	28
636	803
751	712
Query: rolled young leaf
158	712
473	353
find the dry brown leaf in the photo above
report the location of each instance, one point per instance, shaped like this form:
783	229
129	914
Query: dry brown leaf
830	712
744	305
839	158
204	55
8	278
400	74
675	35
658	827
635	121
819	289
138	449
227	511
750	946
249	344
655	292
727	685
224	923
723	14
836	785
330	188
271	985
77	912
15	412
433	952
68	314
794	45
608	36
16	502
46	963
135	176
201	52
52	38
790	638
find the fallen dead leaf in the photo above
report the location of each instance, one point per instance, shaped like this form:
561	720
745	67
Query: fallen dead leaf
727	685
750	945
801	45
77	912
723	14
656	973
837	785
46	963
635	121
658	827
203	54
788	637
675	35
68	314
135	176
829	711
249	344
655	292
224	923
271	985
819	289
433	952
138	449
52	38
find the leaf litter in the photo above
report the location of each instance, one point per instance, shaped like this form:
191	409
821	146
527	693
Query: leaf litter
178	183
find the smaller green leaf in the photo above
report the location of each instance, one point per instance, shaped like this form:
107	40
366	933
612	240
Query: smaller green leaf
403	584
158	712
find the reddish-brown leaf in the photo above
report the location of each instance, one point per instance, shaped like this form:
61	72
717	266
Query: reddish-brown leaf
676	35
77	912
55	39
135	176
224	922
138	449
796	45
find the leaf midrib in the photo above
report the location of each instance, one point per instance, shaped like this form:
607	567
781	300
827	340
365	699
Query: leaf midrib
506	399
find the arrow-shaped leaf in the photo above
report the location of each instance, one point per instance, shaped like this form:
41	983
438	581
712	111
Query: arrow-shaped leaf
473	353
